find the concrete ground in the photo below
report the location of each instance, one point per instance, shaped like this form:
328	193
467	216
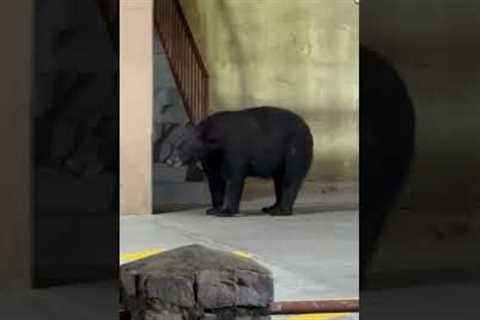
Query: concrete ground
312	254
100	302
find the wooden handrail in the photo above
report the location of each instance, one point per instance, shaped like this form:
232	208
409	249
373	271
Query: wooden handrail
188	69
196	51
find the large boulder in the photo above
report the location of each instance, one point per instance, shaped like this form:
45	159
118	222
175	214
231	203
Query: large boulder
195	282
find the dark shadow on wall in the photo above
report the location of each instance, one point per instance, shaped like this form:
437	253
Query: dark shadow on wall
387	139
76	144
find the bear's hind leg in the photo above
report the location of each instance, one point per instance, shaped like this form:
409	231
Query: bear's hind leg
289	195
296	168
277	181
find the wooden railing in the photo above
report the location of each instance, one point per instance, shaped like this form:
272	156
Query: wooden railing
185	61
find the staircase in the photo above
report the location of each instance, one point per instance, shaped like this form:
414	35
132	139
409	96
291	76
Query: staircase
185	61
181	95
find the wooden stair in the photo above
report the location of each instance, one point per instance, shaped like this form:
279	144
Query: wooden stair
189	70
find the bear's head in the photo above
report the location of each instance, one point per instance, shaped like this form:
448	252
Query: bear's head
189	148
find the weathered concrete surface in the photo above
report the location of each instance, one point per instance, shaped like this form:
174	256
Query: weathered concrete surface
312	254
188	282
302	55
136	105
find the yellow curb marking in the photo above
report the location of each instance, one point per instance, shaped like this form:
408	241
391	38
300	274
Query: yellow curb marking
132	256
242	254
137	255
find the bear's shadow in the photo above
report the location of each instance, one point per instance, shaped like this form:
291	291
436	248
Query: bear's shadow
300	210
303	210
256	211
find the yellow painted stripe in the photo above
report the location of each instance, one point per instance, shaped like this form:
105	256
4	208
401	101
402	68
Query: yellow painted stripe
242	254
132	256
319	316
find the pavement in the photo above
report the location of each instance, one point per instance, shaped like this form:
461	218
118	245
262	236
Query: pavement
100	302
313	254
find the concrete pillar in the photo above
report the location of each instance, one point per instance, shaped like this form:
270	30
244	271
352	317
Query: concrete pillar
136	105
15	125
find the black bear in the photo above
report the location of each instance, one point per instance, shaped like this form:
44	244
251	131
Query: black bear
263	142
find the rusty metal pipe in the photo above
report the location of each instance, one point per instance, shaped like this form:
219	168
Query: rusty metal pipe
300	307
315	306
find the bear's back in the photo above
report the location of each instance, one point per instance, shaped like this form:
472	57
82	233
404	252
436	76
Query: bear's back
260	134
264	121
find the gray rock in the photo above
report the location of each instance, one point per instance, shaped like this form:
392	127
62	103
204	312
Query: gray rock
170	289
195	282
254	289
216	289
163	315
209	316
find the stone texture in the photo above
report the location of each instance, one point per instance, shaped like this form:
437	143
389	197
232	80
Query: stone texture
163	315
195	282
216	289
253	289
171	289
209	316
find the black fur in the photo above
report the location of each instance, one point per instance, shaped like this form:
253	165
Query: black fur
265	142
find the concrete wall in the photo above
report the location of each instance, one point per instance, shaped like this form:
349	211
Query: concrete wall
434	46
302	55
15	115
136	105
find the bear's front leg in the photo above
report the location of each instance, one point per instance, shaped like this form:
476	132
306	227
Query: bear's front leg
233	195
217	187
